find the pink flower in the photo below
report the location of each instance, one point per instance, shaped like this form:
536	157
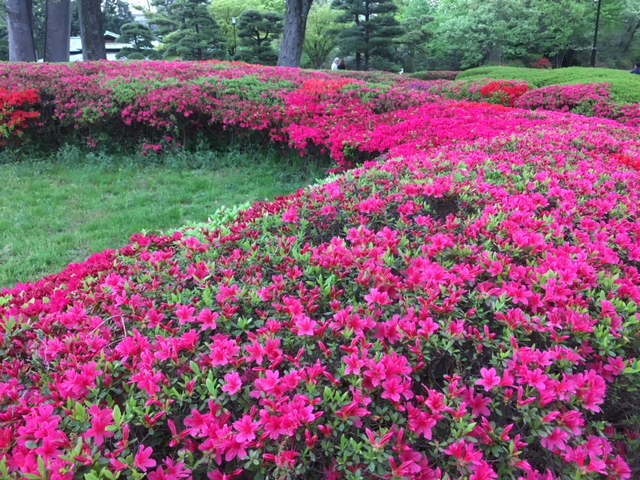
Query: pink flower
207	319
479	405
234	449
490	379
143	458
465	453
185	313
483	472
375	296
218	475
228	293
556	440
233	383
291	215
394	388
421	423
304	326
246	429
100	420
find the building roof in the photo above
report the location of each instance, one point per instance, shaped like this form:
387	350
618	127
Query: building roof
75	44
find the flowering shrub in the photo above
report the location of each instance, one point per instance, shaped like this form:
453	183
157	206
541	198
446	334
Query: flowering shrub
627	114
582	99
542	63
504	92
16	113
466	309
311	111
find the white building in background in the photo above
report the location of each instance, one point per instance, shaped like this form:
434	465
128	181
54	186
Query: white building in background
112	47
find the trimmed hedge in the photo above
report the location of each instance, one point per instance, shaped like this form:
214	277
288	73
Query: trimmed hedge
625	86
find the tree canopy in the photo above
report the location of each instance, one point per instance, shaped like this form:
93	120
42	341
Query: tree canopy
256	31
187	30
370	34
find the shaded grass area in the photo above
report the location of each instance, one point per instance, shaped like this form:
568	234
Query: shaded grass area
60	209
624	85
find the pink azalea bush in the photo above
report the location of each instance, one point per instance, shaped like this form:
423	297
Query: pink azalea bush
589	100
466	307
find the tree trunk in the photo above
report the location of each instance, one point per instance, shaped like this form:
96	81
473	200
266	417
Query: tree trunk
294	30
57	40
91	30
631	34
20	26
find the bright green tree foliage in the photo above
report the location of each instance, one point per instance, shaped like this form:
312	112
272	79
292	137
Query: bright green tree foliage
416	17
320	40
468	33
619	45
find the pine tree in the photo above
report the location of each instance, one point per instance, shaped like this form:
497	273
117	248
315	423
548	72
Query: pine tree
116	14
371	32
256	31
187	30
141	39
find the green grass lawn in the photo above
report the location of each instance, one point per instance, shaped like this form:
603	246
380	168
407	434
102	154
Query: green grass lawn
59	210
624	85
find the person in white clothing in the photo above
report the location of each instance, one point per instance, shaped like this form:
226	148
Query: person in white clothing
334	65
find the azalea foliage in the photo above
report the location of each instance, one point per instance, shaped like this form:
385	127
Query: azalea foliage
466	306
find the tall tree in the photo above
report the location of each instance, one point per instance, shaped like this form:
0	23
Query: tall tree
115	13
371	32
415	17
20	26
619	28
295	26
4	33
91	30
187	30
320	40
257	31
469	33
225	11
58	31
565	27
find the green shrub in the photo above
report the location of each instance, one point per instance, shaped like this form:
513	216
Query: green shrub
624	86
435	75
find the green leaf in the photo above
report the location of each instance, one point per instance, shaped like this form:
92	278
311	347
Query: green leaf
79	413
212	385
117	415
107	473
42	467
